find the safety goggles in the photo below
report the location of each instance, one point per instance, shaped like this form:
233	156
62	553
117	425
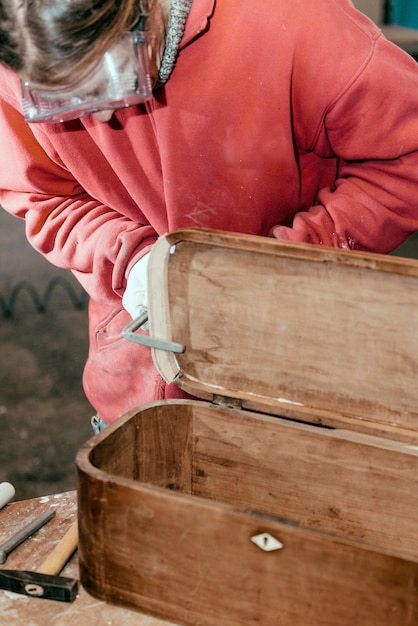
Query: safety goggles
120	79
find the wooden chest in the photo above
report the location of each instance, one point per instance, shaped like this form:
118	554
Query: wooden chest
288	496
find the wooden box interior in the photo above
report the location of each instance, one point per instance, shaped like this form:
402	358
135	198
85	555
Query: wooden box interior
349	484
301	331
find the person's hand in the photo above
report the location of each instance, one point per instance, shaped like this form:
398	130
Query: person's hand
135	297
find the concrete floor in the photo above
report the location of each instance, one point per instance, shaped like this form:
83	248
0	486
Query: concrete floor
44	416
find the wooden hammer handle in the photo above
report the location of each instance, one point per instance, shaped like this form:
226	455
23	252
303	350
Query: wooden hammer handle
58	557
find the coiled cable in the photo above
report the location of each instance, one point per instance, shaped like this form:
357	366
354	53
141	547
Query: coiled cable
41	302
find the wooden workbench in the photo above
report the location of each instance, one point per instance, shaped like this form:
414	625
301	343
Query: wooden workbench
85	610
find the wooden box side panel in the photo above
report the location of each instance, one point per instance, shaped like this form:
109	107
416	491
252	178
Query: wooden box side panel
164	440
195	563
92	538
116	454
152	445
348	484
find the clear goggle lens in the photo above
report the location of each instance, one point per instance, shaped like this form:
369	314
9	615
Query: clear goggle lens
121	79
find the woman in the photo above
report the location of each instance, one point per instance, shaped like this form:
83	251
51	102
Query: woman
295	120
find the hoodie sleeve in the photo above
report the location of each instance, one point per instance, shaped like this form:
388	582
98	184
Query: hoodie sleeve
63	222
368	121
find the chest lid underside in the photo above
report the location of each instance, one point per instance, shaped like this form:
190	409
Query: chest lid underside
302	331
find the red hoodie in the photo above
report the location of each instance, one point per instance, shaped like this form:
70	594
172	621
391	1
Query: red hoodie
297	120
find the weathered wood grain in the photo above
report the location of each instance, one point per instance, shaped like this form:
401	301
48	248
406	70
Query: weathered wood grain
325	336
19	610
343	504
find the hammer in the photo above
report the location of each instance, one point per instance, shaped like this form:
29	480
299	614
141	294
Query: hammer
45	582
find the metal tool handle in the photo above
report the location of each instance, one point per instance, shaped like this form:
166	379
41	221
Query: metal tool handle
139	322
24	533
56	559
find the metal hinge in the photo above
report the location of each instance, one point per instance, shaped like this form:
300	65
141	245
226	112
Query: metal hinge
227	402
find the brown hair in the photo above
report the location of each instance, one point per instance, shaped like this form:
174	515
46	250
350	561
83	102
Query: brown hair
53	42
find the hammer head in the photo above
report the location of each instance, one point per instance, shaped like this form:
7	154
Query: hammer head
39	585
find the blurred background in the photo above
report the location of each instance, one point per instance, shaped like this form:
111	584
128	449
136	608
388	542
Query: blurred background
44	415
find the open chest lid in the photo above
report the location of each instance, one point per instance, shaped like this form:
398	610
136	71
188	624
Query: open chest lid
316	334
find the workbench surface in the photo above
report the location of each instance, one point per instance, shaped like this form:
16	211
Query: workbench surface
85	610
